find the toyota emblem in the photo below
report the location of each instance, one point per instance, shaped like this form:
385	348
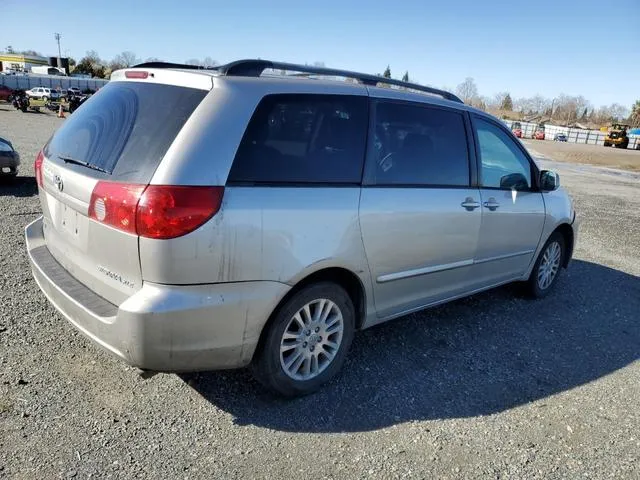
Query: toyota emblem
58	182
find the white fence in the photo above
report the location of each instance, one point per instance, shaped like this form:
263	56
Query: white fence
26	82
574	135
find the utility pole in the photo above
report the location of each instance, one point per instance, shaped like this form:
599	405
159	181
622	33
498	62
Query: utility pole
57	37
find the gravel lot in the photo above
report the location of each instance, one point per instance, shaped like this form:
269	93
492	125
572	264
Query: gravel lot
494	386
588	154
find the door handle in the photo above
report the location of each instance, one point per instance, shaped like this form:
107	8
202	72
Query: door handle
470	204
491	204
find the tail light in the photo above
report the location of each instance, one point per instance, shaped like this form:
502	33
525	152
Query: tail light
154	211
37	166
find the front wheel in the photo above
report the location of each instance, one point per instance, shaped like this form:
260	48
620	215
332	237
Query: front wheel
547	268
307	341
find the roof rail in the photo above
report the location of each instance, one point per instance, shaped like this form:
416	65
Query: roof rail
255	68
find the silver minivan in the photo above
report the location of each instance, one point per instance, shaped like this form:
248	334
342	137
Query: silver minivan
260	213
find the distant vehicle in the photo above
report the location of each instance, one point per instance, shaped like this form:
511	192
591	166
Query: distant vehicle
617	136
73	91
516	128
559	137
538	135
43	93
5	93
9	159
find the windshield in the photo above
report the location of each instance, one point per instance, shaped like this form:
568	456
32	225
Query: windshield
125	129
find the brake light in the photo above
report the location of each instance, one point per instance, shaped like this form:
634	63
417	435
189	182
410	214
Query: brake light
115	204
37	166
154	211
136	74
172	211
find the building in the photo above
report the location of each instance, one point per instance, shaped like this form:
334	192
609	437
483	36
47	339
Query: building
15	62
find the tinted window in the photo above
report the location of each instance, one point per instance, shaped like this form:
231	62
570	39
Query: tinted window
303	139
419	145
126	128
503	163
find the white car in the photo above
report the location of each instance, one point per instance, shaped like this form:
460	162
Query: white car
43	93
73	91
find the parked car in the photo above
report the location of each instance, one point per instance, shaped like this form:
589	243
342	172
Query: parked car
274	251
9	159
71	91
538	135
516	128
5	93
43	93
559	137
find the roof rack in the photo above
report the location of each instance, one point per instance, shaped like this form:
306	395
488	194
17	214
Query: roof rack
255	68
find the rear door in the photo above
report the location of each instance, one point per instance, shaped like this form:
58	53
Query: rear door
512	207
419	211
119	135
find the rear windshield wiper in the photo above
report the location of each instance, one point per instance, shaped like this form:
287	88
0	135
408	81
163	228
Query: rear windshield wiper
81	162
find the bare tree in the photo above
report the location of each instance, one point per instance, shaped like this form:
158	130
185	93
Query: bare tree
467	90
634	118
209	62
127	59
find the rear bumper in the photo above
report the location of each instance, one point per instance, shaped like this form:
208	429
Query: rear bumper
9	161
161	327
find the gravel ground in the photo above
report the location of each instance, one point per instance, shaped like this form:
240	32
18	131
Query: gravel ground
493	386
588	154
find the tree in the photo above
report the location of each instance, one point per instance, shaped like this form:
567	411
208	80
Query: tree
405	77
507	103
209	62
467	90
618	112
634	118
387	72
585	113
10	49
193	61
30	53
124	60
91	64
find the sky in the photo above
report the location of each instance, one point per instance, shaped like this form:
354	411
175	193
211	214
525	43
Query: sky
589	48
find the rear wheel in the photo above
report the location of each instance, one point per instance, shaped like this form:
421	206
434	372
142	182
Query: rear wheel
547	268
307	341
606	144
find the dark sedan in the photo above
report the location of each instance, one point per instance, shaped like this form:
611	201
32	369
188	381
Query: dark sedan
5	93
9	159
559	137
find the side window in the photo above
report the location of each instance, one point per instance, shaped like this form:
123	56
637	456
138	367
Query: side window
304	139
503	163
418	145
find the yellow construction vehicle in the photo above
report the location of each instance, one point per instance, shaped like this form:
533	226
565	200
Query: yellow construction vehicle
617	136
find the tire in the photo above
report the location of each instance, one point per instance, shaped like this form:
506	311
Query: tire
540	289
269	364
606	144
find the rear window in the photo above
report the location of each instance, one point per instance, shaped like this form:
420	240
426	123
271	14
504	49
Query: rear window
125	129
303	139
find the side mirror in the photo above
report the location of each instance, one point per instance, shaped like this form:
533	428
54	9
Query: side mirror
514	181
549	181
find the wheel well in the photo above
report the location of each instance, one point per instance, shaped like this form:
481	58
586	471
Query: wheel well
343	277
567	233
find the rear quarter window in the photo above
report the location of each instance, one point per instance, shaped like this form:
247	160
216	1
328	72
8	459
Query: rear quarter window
125	129
303	139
